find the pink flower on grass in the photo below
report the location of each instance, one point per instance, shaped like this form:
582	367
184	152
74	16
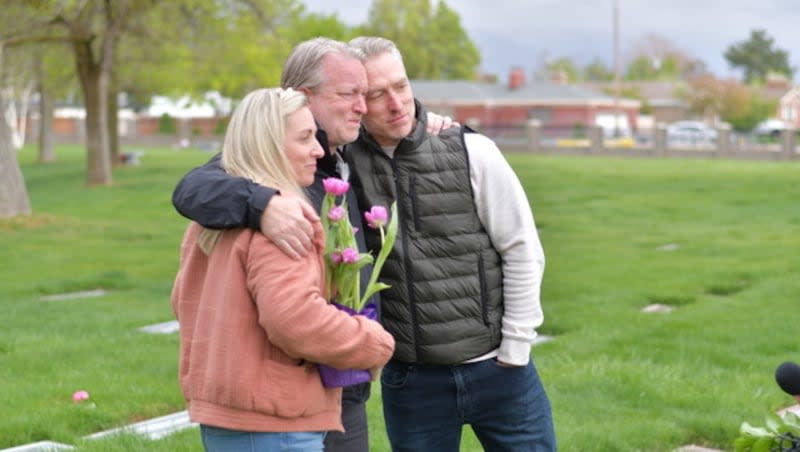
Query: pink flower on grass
334	186
376	217
349	255
336	257
80	396
336	213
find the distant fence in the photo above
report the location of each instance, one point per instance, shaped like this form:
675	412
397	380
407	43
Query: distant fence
531	138
142	131
536	140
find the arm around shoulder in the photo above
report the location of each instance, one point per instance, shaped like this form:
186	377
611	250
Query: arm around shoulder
217	200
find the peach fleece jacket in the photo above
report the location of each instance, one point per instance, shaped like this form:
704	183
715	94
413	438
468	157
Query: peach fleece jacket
252	324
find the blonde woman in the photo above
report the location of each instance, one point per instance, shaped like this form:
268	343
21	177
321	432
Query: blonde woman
253	321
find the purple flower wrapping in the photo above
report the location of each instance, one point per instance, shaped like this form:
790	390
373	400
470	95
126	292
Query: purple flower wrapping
339	378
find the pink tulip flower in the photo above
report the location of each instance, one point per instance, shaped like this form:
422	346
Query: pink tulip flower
336	213
80	396
334	186
349	255
376	217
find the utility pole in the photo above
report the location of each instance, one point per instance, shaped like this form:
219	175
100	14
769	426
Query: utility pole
616	69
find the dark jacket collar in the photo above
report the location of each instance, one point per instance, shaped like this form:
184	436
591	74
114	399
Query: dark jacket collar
327	163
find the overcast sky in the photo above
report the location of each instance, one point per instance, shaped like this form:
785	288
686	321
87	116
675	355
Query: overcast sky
523	33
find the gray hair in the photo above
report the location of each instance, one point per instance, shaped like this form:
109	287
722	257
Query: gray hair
372	46
303	68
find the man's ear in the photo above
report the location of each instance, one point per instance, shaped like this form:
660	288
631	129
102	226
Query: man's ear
306	91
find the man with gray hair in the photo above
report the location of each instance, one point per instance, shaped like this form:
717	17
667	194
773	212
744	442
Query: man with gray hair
465	275
332	76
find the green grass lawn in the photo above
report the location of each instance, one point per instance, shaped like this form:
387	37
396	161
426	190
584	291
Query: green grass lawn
718	240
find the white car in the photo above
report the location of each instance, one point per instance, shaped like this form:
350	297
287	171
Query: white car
770	127
690	133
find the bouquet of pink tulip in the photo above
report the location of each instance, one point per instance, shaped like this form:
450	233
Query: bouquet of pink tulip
343	260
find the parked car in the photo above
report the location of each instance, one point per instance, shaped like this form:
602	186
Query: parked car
770	127
690	133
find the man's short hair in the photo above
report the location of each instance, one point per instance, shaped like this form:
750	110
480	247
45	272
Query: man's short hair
303	68
372	46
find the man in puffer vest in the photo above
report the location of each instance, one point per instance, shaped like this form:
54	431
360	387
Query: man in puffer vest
465	275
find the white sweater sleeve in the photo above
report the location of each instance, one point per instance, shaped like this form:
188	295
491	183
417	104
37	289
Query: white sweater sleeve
505	212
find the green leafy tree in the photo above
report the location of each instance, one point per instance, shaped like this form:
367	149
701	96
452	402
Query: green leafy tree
194	46
253	40
705	95
641	68
17	82
597	71
148	46
433	42
457	57
166	124
157	57
670	67
734	102
565	66
657	58
55	78
92	29
311	25
758	56
14	199
756	109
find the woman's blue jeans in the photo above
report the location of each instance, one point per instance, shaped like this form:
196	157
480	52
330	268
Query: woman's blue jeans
425	407
216	439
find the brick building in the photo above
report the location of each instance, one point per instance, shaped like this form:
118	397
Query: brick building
497	107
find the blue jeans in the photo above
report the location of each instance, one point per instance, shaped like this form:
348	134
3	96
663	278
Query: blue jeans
216	439
426	406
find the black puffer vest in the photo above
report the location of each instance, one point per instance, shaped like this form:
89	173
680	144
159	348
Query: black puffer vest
445	301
